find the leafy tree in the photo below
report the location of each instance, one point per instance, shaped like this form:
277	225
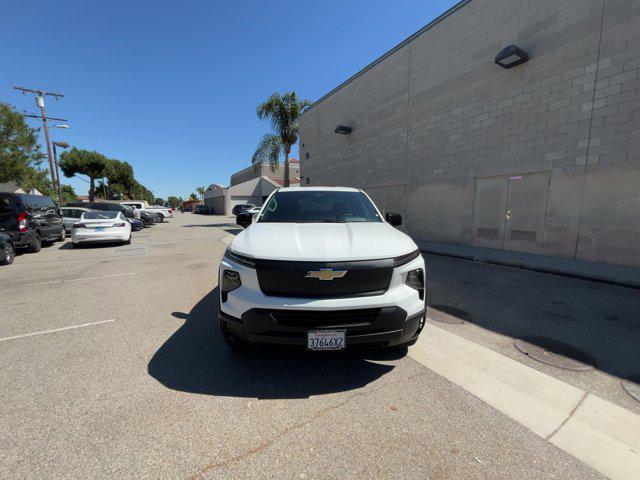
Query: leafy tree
119	182
120	173
174	202
140	192
282	111
268	151
201	191
86	162
158	201
20	155
193	196
68	194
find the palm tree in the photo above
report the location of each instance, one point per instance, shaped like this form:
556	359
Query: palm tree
193	196
201	191
282	111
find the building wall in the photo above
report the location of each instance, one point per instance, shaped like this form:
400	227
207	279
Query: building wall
264	170
436	120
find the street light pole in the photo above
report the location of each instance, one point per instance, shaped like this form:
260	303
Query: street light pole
55	158
40	103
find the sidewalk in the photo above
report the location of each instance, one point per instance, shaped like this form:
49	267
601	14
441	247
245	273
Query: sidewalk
601	434
599	272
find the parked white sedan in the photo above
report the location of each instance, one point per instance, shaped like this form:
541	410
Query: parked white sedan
101	226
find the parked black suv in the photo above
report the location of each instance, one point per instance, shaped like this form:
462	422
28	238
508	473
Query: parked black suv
241	208
30	220
146	217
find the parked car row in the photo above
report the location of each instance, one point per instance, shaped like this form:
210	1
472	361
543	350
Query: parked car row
247	215
28	221
201	210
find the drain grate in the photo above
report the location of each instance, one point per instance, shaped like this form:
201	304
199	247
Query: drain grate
631	388
443	317
550	356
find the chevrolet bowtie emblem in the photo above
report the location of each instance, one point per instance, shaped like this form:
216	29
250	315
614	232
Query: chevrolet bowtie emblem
326	274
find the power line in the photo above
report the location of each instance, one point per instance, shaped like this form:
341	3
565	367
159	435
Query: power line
40	93
31	115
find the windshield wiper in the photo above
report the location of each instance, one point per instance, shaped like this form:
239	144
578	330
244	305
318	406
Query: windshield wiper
334	220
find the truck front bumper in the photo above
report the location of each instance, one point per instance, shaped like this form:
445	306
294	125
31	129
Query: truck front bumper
370	328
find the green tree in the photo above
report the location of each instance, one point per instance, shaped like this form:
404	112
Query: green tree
20	155
158	201
174	202
118	181
282	111
68	194
90	163
193	196
201	191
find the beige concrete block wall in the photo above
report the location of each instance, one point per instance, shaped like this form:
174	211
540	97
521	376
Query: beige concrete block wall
437	114
264	170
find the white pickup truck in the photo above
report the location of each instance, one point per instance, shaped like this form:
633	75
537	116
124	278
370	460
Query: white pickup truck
322	267
160	212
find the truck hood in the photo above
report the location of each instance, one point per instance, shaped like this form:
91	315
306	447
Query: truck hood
322	242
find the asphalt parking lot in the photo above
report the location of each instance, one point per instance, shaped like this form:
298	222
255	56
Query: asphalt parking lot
112	366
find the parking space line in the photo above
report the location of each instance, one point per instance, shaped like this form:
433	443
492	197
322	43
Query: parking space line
54	282
43	332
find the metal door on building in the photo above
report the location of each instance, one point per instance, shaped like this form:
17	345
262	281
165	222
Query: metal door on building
510	211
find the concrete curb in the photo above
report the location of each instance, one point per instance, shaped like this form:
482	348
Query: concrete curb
597	432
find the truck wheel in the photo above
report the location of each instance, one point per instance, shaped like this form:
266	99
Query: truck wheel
8	254
36	244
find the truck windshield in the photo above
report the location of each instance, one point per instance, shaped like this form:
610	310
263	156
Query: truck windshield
313	206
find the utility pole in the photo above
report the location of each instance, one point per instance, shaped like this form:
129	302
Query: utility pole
40	94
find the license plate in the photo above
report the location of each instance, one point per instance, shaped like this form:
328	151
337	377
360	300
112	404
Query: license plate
326	340
99	229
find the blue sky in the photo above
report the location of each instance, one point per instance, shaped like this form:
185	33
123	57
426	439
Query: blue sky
172	87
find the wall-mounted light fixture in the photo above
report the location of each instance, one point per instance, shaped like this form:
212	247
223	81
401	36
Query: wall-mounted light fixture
343	130
511	56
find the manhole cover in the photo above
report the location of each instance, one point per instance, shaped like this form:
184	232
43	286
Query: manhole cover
443	317
550	357
631	388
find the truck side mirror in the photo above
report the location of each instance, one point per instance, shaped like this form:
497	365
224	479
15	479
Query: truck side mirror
394	219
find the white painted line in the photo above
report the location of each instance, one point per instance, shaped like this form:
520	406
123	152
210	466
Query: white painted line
101	276
599	433
71	327
228	239
54	282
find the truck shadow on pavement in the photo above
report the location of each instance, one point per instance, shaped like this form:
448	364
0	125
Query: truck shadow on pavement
195	359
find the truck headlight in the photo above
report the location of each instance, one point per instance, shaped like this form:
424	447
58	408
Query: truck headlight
415	279
230	281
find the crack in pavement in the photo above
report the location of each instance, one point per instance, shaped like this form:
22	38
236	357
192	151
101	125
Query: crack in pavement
267	443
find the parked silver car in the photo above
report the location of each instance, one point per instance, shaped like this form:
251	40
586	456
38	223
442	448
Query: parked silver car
71	215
